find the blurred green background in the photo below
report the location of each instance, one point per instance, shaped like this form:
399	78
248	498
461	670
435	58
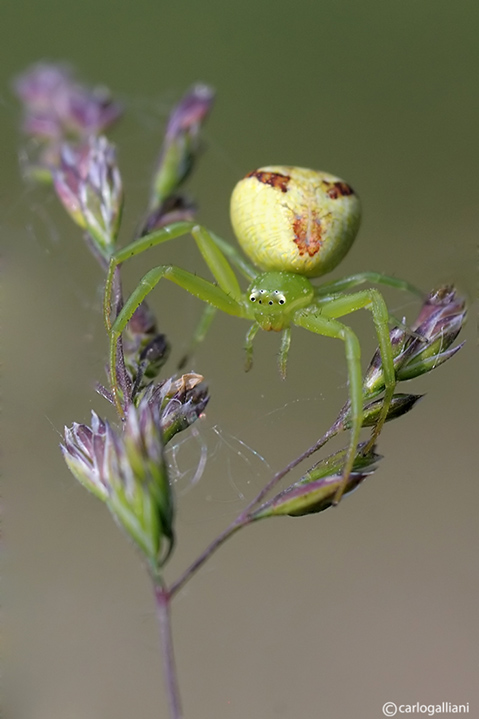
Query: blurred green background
328	616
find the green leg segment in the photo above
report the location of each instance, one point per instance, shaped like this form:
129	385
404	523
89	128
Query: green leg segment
206	319
217	262
214	249
140	245
283	352
371	300
338	286
212	254
329	327
235	257
250	335
197	286
226	295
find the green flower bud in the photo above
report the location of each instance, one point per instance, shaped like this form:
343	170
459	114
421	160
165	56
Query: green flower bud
181	143
317	489
400	404
128	472
426	345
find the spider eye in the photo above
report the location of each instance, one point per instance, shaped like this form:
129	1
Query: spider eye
282	301
270	302
252	298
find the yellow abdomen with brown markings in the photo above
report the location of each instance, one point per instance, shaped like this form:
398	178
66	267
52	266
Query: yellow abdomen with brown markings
295	220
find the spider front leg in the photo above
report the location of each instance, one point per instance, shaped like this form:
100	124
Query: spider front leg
248	271
135	248
226	296
197	286
371	300
332	308
212	254
328	327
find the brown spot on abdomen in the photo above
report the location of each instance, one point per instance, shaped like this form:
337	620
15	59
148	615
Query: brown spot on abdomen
337	189
307	234
274	179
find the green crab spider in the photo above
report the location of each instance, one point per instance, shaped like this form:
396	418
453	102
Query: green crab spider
294	224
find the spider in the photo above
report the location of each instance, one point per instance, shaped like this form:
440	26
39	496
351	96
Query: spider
295	224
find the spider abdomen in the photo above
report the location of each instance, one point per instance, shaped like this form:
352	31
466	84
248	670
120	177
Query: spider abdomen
294	219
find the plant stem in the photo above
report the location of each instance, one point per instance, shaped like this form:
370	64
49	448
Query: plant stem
163	601
332	432
245	518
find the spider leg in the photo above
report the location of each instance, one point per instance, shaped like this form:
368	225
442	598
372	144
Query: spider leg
197	286
283	352
329	291
136	247
217	262
250	335
226	295
372	300
202	328
212	254
345	283
330	327
235	257
212	247
247	270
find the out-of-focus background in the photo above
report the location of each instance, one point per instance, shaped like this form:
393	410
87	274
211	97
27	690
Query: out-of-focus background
327	616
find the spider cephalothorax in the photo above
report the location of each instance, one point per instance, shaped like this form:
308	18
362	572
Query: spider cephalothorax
294	224
274	297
